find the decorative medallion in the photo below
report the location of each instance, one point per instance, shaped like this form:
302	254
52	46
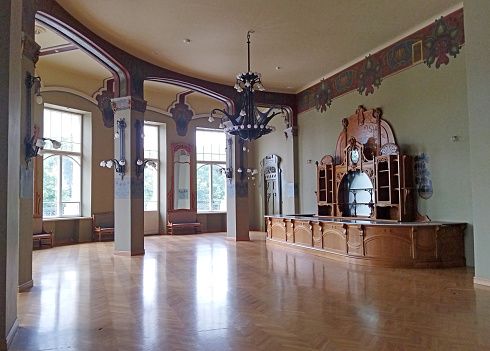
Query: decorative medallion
182	115
360	117
442	42
104	105
345	123
343	82
389	149
323	96
369	76
400	55
128	103
30	48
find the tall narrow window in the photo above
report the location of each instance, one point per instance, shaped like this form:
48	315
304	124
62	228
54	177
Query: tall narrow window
211	161
62	183
151	174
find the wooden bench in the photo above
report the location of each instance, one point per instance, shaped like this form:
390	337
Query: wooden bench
40	235
183	219
103	224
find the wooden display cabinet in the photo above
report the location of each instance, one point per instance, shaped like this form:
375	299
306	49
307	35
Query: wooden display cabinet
366	206
368	177
325	187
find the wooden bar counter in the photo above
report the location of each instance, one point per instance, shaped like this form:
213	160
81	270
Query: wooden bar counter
372	242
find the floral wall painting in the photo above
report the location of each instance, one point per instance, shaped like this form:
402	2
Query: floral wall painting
442	42
432	45
323	96
422	177
369	76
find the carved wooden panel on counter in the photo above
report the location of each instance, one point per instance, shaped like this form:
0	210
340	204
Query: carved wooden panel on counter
373	242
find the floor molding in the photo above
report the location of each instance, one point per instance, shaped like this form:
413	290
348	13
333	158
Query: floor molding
481	281
25	286
10	335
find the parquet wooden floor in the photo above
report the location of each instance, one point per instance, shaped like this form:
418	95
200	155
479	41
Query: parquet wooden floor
203	292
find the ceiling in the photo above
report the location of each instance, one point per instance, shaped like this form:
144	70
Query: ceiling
295	42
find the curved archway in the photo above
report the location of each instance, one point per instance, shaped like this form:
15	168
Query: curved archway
120	74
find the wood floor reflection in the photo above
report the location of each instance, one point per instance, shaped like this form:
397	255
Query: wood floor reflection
203	292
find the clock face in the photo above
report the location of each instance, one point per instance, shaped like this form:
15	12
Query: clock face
354	155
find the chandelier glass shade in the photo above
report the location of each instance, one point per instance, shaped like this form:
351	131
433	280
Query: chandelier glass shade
248	122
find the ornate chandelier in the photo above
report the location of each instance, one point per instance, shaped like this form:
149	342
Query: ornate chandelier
249	123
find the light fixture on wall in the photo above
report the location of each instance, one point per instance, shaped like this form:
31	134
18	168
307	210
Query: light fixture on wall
34	144
119	165
141	163
248	122
35	82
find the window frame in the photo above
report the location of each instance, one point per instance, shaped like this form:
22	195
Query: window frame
151	169
220	164
60	154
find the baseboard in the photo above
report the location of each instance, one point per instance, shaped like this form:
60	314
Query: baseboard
27	285
5	344
237	239
481	281
130	253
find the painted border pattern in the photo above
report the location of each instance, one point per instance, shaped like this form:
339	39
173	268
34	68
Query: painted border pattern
439	40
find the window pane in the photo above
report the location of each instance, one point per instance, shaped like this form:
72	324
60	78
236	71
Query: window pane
71	182
151	141
51	183
151	189
219	189
65	127
210	145
203	188
70	209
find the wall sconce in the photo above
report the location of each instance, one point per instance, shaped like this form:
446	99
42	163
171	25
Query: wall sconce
227	171
141	163
35	82
34	144
251	173
118	164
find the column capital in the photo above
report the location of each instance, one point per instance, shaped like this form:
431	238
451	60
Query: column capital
128	103
30	48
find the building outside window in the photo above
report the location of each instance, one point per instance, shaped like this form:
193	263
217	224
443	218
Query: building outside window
151	173
62	183
210	177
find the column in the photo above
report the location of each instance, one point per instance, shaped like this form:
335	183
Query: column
237	192
30	127
128	184
11	80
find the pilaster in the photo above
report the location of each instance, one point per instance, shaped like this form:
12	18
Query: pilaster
128	184
237	193
30	124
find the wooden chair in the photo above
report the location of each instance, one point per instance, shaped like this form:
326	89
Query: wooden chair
40	235
103	224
